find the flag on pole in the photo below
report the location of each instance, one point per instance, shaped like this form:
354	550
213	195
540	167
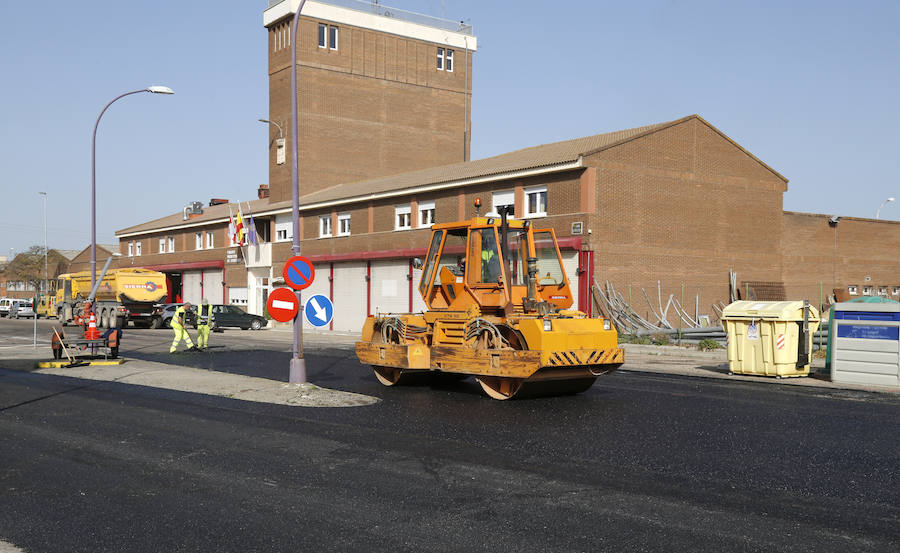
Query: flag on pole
239	227
231	227
252	234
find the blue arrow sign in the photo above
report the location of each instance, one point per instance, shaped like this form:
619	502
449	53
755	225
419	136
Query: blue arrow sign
319	310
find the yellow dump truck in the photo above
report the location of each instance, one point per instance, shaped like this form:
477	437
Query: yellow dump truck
123	295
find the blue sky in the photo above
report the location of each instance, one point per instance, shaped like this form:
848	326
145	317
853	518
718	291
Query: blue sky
811	88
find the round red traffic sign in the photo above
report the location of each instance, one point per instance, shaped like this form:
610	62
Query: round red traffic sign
298	272
283	305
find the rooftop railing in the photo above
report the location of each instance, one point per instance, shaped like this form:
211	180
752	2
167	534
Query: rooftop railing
395	13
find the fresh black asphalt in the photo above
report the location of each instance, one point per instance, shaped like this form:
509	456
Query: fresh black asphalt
641	462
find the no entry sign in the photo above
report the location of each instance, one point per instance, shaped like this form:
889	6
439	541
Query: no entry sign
298	272
283	305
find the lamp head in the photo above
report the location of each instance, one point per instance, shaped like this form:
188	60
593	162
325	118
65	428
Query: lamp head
160	90
263	120
891	199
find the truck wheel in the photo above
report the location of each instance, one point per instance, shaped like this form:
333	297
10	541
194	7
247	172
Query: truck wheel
155	323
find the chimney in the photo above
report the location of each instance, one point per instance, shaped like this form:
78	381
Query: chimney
217	201
263	191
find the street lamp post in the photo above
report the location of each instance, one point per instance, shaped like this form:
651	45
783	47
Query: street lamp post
298	364
280	131
151	89
884	203
279	143
46	265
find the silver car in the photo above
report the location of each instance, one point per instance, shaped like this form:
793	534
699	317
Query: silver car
20	309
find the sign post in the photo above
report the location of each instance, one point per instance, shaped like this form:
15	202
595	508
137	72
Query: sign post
298	364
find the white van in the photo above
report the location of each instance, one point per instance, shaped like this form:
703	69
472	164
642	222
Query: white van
4	306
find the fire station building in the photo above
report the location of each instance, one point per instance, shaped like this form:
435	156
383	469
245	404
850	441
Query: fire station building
384	134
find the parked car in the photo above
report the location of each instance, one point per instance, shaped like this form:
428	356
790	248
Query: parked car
21	308
163	313
4	306
233	316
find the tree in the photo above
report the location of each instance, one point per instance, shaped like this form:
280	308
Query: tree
28	267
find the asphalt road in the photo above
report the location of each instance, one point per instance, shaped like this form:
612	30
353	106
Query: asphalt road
641	462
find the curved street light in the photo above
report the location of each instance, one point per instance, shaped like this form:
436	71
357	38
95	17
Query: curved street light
280	131
884	203
152	90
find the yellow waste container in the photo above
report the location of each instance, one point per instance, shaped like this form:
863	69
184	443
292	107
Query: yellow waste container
767	337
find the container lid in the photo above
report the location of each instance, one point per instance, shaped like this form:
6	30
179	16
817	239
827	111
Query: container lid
770	310
869	307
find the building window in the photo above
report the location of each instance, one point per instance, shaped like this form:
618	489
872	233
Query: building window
852	289
895	291
426	214
325	226
284	227
536	201
444	59
344	224
328	36
506	198
210	239
867	290
162	245
198	240
332	37
171	244
137	248
131	249
402	217
882	291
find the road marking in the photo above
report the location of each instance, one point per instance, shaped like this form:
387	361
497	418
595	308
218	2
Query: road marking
282	304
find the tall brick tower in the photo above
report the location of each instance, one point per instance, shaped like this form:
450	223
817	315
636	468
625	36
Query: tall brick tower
381	91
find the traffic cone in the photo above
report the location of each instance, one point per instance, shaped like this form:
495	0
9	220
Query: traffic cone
92	333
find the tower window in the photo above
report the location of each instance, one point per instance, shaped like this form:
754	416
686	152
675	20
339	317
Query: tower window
444	59
328	36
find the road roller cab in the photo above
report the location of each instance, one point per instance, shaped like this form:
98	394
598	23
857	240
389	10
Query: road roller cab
499	308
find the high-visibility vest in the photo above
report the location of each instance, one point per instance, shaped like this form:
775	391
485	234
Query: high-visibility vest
203	318
179	317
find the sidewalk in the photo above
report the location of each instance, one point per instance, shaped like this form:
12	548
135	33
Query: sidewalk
188	379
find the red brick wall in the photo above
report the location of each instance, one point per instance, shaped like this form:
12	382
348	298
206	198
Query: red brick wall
683	206
835	256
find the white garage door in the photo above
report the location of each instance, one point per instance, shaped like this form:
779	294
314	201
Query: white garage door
349	296
212	286
320	285
570	264
190	287
390	287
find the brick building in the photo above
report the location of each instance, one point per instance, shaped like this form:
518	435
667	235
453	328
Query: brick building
381	91
670	205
